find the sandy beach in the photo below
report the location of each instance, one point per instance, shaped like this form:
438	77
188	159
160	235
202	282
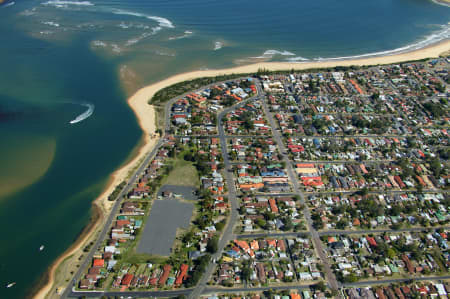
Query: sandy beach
146	117
101	206
443	2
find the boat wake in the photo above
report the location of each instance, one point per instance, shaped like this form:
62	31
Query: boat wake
85	114
8	4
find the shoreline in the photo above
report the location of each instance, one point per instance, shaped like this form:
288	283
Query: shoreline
139	104
442	2
101	206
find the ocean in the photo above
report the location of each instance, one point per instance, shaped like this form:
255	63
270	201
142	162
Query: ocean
67	67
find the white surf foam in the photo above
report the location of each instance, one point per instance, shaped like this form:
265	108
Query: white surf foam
85	114
433	38
144	35
28	12
51	23
164	53
186	34
163	22
9	4
66	4
124	25
297	58
99	43
218	46
116	48
271	53
441	3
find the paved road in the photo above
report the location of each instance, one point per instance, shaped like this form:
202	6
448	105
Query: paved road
133	294
373	231
378	192
274	235
118	201
227	235
336	232
389	281
299	136
329	275
257	289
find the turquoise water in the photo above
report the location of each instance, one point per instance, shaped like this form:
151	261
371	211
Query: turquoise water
58	55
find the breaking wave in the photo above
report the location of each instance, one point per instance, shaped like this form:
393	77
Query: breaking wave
441	3
99	43
271	53
65	4
434	38
135	40
297	58
124	25
51	23
185	35
9	4
85	114
429	40
163	22
218	46
164	53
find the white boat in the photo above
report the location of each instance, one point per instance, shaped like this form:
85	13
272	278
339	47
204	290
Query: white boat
10	285
41	248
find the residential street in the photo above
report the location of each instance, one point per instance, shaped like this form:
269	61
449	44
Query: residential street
237	167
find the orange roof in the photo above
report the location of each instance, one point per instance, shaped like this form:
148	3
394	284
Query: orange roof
182	275
122	222
305	165
99	262
249	186
254	245
272	243
273	205
243	245
126	280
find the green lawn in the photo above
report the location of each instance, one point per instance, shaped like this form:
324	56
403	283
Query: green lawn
182	174
140	258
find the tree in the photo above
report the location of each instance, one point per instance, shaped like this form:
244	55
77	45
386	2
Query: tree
341	224
321	286
188	237
363	192
213	244
220	226
391	253
261	223
246	273
287	224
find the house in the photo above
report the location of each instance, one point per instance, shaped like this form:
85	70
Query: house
261	272
181	275
85	284
165	275
126	280
98	263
